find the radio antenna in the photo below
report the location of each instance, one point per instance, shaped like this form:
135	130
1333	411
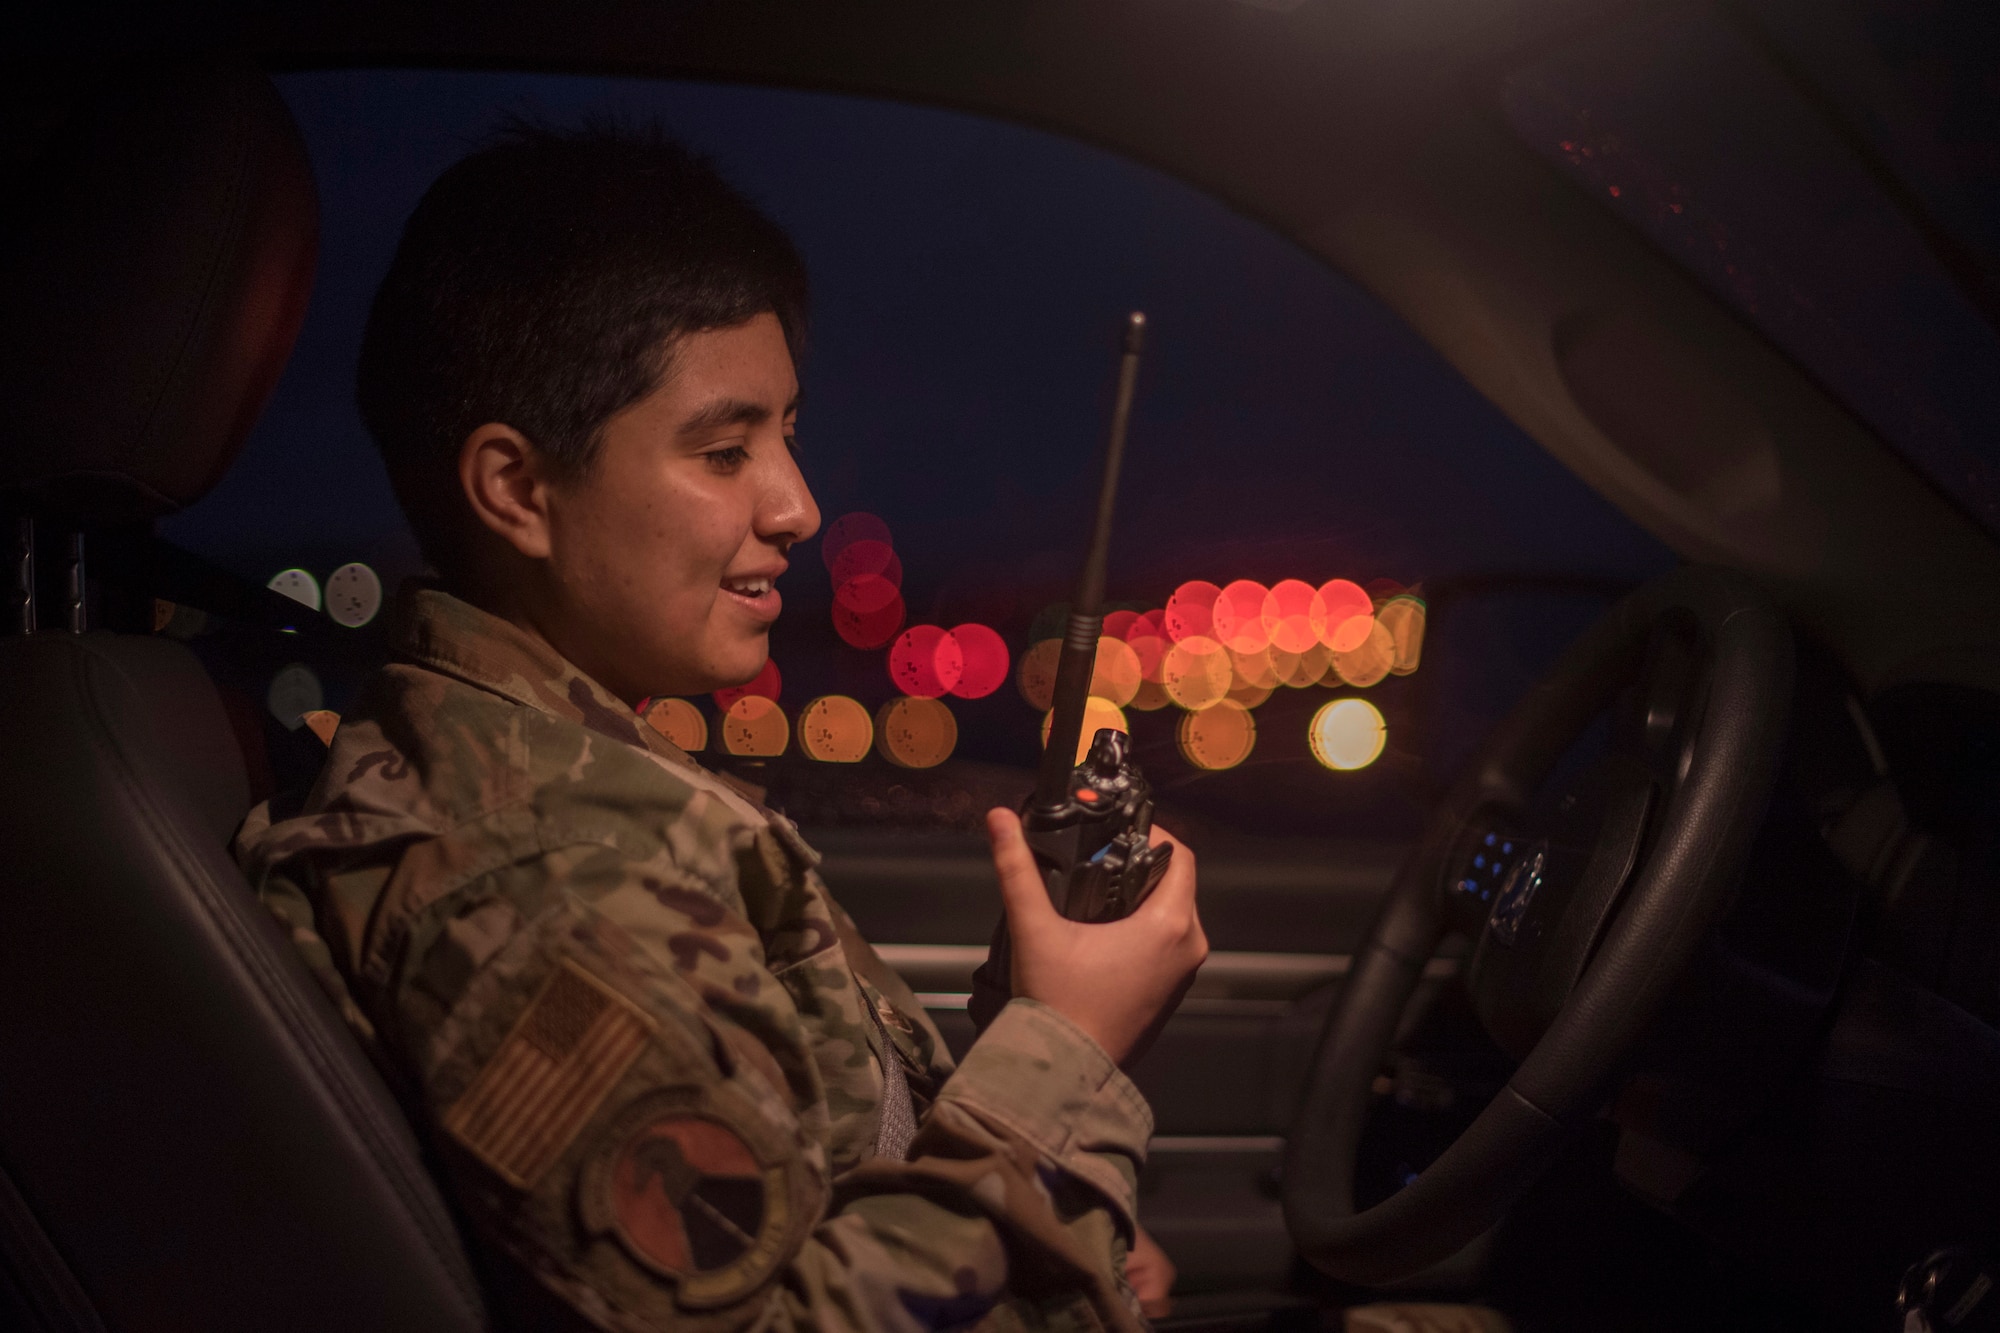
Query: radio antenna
1086	611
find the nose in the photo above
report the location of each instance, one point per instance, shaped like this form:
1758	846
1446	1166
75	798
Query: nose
788	513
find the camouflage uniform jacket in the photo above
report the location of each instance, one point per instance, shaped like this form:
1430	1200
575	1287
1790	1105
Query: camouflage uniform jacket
639	1029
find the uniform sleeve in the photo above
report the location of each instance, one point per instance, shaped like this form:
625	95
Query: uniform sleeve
627	1101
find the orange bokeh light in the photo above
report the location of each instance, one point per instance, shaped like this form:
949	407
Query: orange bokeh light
1404	618
1150	697
915	733
1196	672
1253	669
1346	614
766	684
1217	738
1115	674
755	727
1368	662
835	729
1307	668
1190	612
926	661
1037	674
984	654
1238	616
1098	715
680	722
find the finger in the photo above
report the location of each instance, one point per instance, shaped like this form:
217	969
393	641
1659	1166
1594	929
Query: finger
1158	835
1022	892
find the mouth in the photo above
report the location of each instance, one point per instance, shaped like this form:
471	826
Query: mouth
756	593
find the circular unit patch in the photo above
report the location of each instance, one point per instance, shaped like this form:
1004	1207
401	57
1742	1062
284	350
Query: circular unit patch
689	1200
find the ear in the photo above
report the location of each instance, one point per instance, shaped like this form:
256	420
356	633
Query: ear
505	480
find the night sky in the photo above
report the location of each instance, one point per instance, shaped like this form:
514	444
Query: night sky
971	278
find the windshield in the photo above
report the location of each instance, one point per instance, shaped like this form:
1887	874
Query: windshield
971	283
1787	226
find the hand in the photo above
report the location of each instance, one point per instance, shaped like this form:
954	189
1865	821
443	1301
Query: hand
1117	980
1150	1274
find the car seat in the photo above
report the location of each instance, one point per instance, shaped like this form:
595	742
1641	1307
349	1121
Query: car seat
189	1137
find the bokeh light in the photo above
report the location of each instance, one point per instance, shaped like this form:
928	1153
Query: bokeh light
1308	668
1288	615
848	529
865	557
1371	660
353	595
1347	734
1190	612
1098	714
835	729
983	654
926	661
1252	668
1346	614
295	691
1404	618
768	684
1238	616
1150	697
912	732
298	585
867	612
1196	672
1217	738
755	728
1037	676
1118	624
680	722
1115	674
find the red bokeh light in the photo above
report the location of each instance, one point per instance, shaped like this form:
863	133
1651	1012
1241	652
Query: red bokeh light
867	556
1346	615
848	529
766	686
1147	625
865	594
1118	625
1191	610
1239	616
926	661
985	662
1287	616
870	628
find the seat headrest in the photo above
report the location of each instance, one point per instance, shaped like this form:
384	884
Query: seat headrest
155	280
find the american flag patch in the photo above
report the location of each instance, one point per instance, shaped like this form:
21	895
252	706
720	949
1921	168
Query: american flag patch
575	1041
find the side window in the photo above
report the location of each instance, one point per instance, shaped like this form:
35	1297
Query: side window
1316	508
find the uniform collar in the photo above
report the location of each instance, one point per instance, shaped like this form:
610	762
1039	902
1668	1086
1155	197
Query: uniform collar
455	638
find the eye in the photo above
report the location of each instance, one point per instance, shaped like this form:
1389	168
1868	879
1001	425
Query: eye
729	458
792	442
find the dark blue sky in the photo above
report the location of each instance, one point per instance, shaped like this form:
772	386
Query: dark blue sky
971	278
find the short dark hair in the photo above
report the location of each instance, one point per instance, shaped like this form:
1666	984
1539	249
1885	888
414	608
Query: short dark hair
541	282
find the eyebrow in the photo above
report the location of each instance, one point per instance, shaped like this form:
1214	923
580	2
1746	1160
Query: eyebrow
733	412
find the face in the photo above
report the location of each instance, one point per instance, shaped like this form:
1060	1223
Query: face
663	558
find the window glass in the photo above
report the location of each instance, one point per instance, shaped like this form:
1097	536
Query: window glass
1786	226
971	280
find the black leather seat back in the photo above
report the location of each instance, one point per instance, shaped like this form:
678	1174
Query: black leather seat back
189	1136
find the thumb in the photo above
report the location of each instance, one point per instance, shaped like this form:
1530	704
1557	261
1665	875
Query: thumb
1022	891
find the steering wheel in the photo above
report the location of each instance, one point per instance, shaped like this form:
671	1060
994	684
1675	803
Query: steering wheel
1584	906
